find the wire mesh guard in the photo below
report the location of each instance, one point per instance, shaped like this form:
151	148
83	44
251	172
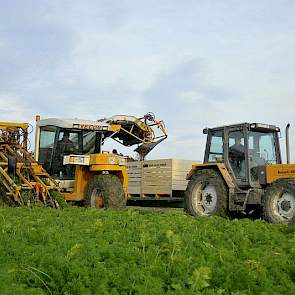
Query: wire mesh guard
22	179
147	132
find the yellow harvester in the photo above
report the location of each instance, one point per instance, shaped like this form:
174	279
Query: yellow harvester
69	154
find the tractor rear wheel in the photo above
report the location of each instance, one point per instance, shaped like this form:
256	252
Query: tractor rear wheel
105	191
206	194
278	202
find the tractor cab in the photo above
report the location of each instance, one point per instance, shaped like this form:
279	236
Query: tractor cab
245	149
59	138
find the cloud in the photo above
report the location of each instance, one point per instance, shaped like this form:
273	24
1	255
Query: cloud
14	108
195	64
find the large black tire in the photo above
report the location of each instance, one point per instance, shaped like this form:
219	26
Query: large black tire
206	194
105	191
278	202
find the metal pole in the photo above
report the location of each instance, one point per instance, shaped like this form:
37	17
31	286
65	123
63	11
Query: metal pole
288	143
37	139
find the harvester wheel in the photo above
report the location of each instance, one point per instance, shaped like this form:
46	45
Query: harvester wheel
278	202
105	191
206	194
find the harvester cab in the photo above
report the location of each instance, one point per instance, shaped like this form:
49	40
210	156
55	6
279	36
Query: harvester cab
243	171
71	151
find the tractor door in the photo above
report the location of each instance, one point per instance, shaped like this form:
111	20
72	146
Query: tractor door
237	159
237	155
263	150
229	145
55	143
67	142
46	146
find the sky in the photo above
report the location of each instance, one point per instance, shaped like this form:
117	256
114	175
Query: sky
194	63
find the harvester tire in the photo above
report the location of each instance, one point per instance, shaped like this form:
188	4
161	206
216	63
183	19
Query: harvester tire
278	202
105	191
206	194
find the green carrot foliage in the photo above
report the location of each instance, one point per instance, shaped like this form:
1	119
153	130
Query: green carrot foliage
132	251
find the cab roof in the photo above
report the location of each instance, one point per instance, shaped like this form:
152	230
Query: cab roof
75	124
251	126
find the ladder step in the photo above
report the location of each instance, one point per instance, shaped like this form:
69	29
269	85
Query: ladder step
26	188
41	174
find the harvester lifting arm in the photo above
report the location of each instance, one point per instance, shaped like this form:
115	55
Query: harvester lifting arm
146	131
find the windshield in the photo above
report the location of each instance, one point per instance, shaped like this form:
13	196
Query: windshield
89	142
262	151
47	137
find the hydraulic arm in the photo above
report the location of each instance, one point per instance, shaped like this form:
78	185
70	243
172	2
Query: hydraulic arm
146	131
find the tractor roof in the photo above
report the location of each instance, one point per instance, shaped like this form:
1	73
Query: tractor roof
251	126
75	124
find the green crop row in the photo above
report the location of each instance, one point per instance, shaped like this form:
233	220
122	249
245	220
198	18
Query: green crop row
85	251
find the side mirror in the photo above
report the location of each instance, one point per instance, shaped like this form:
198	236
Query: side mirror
205	131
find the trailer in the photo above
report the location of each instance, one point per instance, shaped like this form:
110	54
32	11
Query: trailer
162	179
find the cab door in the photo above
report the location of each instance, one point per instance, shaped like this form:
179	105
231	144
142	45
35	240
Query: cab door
236	147
67	141
46	146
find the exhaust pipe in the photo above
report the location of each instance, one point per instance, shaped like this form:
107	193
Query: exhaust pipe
288	143
37	139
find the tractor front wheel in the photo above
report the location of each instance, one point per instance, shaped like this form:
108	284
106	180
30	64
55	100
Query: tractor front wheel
105	191
278	202
206	194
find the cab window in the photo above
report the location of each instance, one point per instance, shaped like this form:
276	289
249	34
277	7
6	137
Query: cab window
216	147
47	137
237	155
67	143
262	151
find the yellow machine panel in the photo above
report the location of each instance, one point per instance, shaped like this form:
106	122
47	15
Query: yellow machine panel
82	160
106	162
107	159
219	166
279	171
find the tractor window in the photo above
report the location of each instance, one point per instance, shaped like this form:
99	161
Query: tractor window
216	147
262	151
236	154
47	139
267	148
47	136
232	141
89	142
68	143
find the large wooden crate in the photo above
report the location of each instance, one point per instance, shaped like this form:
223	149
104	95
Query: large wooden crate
134	177
158	178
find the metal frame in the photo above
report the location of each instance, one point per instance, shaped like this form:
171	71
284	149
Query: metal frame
27	174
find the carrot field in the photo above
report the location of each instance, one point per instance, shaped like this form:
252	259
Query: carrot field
134	251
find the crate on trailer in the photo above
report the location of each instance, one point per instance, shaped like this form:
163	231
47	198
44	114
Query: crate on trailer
158	178
134	170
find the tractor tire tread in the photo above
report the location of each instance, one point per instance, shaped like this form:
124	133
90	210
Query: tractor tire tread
111	189
210	176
